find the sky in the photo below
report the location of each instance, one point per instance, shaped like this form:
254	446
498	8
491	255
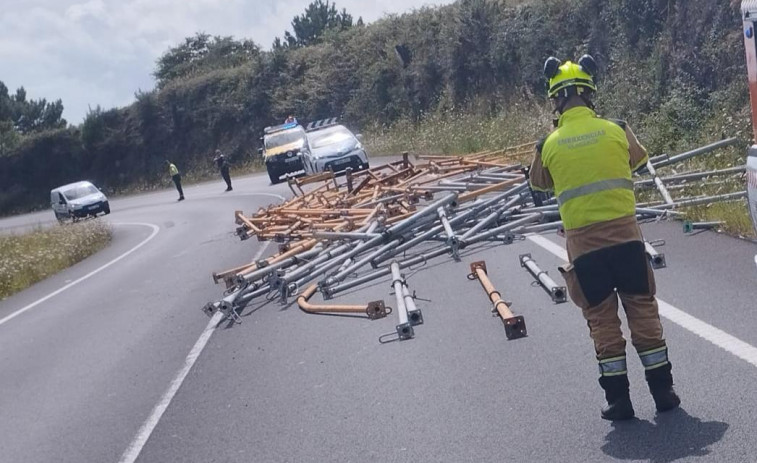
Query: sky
100	52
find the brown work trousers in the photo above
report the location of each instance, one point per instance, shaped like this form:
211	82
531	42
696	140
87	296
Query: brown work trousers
608	261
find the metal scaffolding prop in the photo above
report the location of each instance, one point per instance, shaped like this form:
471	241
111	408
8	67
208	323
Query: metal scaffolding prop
557	293
515	326
340	232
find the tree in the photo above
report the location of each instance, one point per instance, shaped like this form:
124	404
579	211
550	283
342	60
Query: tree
202	53
9	137
319	17
27	116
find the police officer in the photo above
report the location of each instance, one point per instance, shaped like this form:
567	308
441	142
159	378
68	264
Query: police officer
176	177
223	167
587	161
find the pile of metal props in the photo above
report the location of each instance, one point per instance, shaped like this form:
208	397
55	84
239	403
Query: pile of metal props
340	232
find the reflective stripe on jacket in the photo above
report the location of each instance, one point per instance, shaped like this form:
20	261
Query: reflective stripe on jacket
588	160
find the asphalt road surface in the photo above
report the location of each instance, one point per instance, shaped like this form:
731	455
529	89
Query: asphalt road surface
112	360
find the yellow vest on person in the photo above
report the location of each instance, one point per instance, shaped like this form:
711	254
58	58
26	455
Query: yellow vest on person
172	170
588	159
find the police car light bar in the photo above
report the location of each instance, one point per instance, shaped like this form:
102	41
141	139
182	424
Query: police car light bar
278	128
322	124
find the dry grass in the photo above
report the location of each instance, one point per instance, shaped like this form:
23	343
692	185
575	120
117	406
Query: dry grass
459	133
734	214
34	256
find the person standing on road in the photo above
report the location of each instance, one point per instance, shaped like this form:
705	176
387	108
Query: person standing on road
587	161
223	166
176	177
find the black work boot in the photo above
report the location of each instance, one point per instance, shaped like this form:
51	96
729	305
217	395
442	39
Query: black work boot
660	382
619	405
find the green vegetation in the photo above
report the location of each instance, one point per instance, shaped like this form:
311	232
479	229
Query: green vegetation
34	256
456	78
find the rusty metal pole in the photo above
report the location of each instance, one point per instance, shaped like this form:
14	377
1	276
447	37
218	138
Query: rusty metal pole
373	310
515	326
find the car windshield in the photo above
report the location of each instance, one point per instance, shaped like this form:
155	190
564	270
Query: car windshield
79	191
285	137
329	136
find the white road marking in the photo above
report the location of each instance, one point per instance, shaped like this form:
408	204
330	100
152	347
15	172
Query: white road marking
145	431
550	246
132	453
716	336
155	230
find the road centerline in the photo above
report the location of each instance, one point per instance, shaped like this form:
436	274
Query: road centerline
704	330
132	452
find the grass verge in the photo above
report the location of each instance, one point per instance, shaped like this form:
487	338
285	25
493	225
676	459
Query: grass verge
30	257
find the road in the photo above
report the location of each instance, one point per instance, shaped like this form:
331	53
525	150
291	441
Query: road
121	365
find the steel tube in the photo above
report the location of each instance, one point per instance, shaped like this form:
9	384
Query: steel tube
549	226
692	176
404	328
650	211
414	314
689	226
339	276
428	210
384	271
686	202
656	259
260	273
490	218
660	186
310	271
695	152
494	231
557	293
344	235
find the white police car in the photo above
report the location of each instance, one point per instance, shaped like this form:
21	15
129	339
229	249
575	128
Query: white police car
332	147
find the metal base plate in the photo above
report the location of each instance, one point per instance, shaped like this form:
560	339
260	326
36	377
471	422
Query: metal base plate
376	310
405	331
515	327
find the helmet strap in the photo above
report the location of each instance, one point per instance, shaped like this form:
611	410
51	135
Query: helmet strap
587	100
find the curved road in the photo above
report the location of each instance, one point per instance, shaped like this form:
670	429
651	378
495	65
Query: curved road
121	365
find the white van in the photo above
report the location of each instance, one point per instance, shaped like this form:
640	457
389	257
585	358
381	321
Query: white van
78	200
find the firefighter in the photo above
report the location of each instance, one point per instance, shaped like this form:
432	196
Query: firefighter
223	167
587	162
176	177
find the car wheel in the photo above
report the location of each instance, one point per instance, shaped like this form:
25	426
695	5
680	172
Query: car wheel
106	208
59	218
273	174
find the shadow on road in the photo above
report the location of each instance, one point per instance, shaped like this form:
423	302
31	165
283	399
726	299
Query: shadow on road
672	436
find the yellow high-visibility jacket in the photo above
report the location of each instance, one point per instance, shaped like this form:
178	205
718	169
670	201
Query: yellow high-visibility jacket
588	161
